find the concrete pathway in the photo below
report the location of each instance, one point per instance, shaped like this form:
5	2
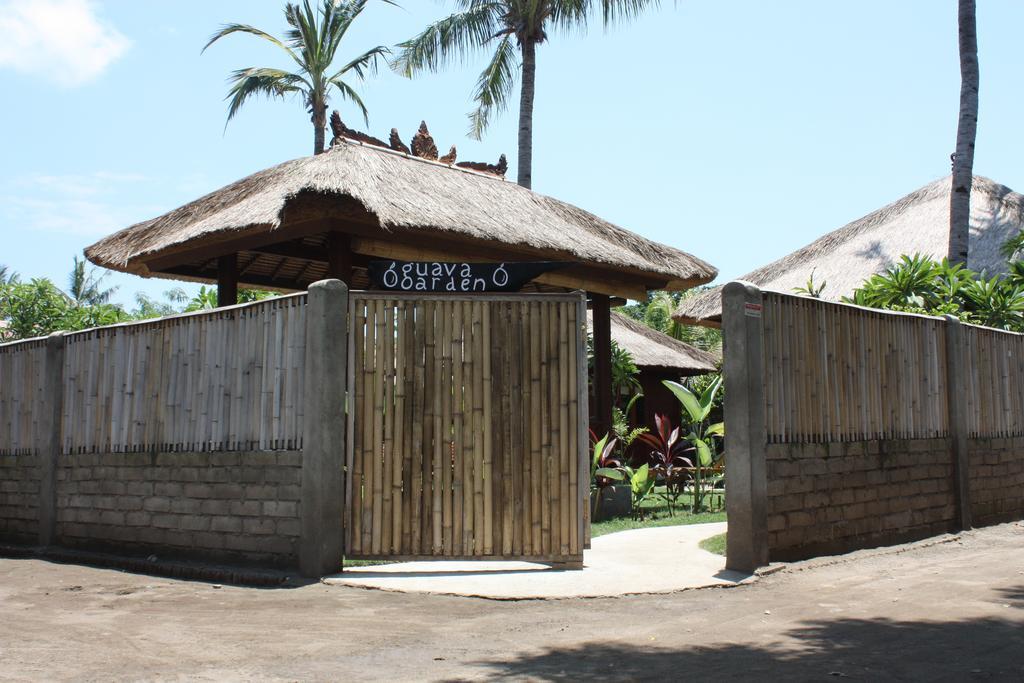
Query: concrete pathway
655	560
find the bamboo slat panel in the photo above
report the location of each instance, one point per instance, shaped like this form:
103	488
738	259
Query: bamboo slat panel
465	427
995	382
835	372
230	379
22	395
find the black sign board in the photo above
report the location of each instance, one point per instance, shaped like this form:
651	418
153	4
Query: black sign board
440	276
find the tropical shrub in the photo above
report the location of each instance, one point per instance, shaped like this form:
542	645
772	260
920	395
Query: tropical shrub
668	454
918	284
704	437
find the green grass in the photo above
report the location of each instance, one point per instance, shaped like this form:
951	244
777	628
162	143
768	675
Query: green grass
656	515
715	544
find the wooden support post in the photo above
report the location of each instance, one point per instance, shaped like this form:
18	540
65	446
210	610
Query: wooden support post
227	280
582	415
602	380
339	257
49	438
747	502
956	392
323	452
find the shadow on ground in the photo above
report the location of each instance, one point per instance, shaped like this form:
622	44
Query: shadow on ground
979	649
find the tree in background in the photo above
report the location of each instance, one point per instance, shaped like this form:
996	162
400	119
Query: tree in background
7	275
966	134
85	285
510	30
312	43
38	307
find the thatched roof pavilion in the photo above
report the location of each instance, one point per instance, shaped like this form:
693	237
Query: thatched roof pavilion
288	224
916	224
329	215
656	350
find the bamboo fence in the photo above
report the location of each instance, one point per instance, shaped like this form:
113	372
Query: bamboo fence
228	379
995	385
835	372
466	431
22	395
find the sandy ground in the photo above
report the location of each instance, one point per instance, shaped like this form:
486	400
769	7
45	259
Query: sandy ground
949	611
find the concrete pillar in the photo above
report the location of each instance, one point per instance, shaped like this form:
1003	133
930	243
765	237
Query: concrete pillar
746	433
227	280
602	380
323	442
50	437
956	391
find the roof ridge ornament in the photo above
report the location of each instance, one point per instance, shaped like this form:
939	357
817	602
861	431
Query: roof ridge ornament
423	147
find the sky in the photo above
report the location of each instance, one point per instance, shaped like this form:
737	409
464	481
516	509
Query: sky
735	130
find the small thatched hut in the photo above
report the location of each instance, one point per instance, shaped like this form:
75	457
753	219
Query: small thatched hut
658	357
329	215
916	224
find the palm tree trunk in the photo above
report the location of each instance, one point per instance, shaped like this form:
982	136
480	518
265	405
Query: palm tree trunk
319	124
529	49
966	133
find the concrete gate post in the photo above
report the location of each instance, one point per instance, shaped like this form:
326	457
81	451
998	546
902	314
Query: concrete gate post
323	442
49	438
956	393
746	434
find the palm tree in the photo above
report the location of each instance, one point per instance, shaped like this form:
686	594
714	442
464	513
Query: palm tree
84	286
7	276
966	133
513	29
312	43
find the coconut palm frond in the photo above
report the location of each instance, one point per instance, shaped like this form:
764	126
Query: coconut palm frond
459	35
228	29
366	62
495	86
259	81
348	93
615	11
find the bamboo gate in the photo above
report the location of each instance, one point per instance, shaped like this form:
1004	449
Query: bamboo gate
467	427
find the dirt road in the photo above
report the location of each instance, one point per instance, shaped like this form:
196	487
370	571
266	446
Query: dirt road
952	611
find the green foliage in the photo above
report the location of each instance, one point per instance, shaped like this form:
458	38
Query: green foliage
1013	248
917	284
311	42
7	276
641	483
715	544
33	309
812	289
500	28
605	468
702	436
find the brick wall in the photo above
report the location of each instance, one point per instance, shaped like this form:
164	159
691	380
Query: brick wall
223	506
833	498
996	479
19	498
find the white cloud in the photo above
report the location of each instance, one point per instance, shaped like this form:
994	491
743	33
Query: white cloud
61	40
84	205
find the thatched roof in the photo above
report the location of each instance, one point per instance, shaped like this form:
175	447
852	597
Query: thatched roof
403	193
916	224
654	349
